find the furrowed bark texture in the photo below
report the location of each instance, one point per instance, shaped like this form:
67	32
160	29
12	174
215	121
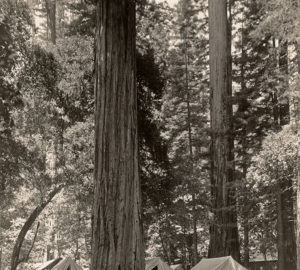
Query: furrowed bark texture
117	241
223	229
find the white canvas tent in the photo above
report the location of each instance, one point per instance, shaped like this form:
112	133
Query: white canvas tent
221	263
59	264
47	265
67	264
156	263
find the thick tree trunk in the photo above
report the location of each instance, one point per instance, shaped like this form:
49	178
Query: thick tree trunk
15	260
117	241
223	230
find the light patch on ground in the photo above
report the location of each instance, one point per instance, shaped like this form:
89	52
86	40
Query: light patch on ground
172	3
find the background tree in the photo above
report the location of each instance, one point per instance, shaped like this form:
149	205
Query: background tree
223	230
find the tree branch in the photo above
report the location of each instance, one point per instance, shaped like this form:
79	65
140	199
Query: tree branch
31	219
26	258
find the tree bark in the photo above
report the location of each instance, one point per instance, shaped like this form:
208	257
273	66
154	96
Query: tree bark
223	230
117	240
27	225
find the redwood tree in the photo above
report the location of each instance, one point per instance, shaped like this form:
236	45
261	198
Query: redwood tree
117	232
223	229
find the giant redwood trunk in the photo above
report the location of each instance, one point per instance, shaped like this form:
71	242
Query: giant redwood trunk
223	228
117	241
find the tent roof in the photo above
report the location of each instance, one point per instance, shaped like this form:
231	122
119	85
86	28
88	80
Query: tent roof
221	263
65	263
48	264
176	266
161	265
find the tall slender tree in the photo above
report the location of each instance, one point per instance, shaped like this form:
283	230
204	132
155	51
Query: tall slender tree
51	19
223	229
117	241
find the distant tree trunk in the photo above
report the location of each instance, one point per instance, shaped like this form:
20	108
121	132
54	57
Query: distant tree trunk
51	18
280	244
223	229
246	243
76	254
284	108
295	117
190	145
286	243
184	246
195	235
165	249
286	231
243	106
15	260
117	238
297	126
60	19
298	215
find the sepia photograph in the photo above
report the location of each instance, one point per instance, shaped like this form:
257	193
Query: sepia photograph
149	134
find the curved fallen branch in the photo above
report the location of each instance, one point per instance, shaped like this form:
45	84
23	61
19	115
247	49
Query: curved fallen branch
27	225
